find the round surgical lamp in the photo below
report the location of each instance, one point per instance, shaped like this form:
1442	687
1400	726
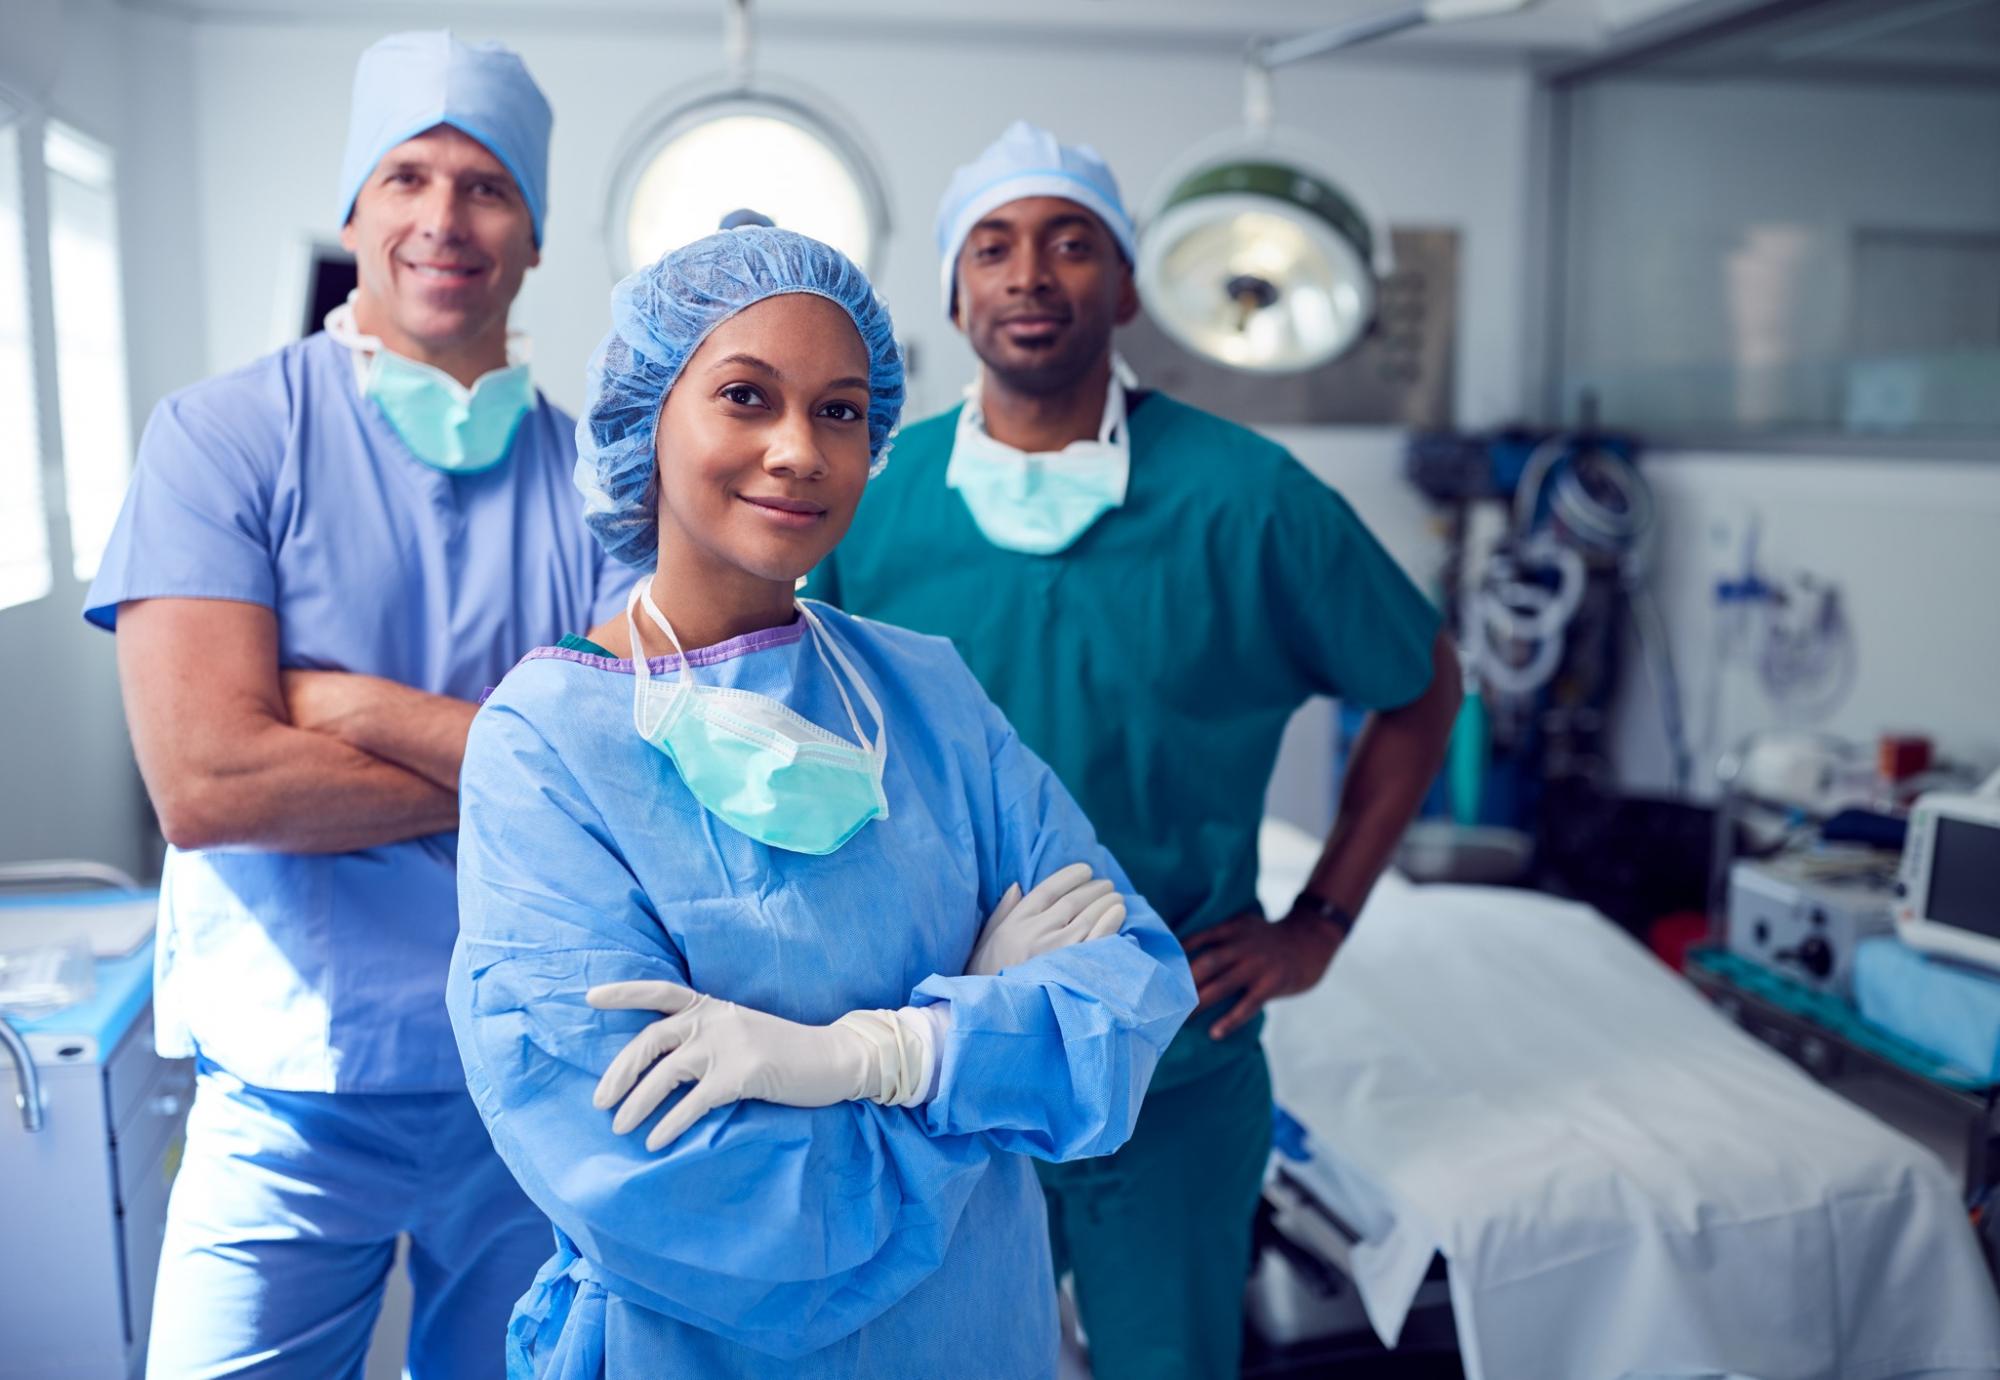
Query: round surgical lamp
1259	263
1251	255
741	141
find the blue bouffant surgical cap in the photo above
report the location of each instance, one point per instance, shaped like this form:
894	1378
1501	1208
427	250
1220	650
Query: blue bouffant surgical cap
408	83
1027	161
659	318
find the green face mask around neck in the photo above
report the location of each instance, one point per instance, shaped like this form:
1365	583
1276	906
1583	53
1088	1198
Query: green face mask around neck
446	425
753	763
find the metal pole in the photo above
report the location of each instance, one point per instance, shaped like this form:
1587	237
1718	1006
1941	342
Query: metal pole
30	1096
1279	52
738	42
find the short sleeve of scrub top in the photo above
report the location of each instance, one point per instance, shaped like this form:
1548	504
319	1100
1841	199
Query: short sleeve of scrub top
1357	627
197	515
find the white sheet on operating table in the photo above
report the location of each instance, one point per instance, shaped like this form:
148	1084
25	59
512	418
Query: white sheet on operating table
1621	1182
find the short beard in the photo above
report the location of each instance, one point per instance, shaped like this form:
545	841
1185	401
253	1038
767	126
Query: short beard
1053	377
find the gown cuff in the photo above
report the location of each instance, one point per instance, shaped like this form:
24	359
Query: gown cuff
904	1048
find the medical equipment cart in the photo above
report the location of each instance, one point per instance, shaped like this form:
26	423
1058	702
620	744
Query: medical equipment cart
84	1174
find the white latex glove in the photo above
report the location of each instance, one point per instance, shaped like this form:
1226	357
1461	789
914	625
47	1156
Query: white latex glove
732	1052
1067	908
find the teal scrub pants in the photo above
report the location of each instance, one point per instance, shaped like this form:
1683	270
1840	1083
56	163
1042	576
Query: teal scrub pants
1157	1236
282	1228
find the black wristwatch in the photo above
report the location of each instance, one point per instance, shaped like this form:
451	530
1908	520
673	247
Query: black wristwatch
1322	909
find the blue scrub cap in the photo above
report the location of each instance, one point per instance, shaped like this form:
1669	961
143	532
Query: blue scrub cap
408	83
1023	162
660	315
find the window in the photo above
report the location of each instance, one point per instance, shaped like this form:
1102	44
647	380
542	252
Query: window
1787	226
90	339
25	574
735	151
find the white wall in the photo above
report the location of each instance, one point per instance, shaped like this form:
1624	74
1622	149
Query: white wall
1915	547
1712	244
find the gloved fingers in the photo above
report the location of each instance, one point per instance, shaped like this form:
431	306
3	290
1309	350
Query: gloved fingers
682	1066
1111	923
1101	918
1057	883
657	1040
1074	902
665	997
1008	900
1079	928
703	1098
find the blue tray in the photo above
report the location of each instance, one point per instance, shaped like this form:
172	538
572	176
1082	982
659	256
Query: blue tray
124	985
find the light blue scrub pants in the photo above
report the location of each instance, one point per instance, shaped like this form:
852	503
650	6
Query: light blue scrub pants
283	1223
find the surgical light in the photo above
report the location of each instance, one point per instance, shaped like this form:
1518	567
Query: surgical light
1260	265
1250	255
729	153
742	141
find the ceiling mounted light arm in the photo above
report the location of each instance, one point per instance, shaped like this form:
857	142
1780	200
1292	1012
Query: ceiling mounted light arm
1272	53
1267	55
739	43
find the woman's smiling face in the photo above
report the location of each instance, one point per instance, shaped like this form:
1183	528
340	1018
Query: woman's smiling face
762	447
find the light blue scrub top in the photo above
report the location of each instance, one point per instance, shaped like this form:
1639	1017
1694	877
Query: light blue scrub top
278	484
817	1244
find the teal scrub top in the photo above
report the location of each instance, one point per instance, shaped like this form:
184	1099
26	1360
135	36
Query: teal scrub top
1155	662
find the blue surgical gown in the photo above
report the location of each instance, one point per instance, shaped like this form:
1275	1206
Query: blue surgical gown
279	484
845	1241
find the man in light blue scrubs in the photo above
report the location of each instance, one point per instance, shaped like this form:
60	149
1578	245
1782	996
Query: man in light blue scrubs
323	559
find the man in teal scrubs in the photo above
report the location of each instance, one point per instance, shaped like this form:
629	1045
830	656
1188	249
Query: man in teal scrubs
1149	592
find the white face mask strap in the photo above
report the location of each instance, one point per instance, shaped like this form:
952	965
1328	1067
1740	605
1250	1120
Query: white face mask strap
823	643
642	671
1114	405
642	674
644	593
639	666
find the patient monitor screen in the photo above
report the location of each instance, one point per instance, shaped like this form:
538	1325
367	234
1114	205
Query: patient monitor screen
1965	877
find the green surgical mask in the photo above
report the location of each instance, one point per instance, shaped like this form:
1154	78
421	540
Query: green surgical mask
1040	504
446	425
753	763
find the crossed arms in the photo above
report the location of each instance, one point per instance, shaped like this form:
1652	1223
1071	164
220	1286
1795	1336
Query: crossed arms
237	753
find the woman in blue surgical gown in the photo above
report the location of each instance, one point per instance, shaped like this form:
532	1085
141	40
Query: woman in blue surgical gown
746	988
